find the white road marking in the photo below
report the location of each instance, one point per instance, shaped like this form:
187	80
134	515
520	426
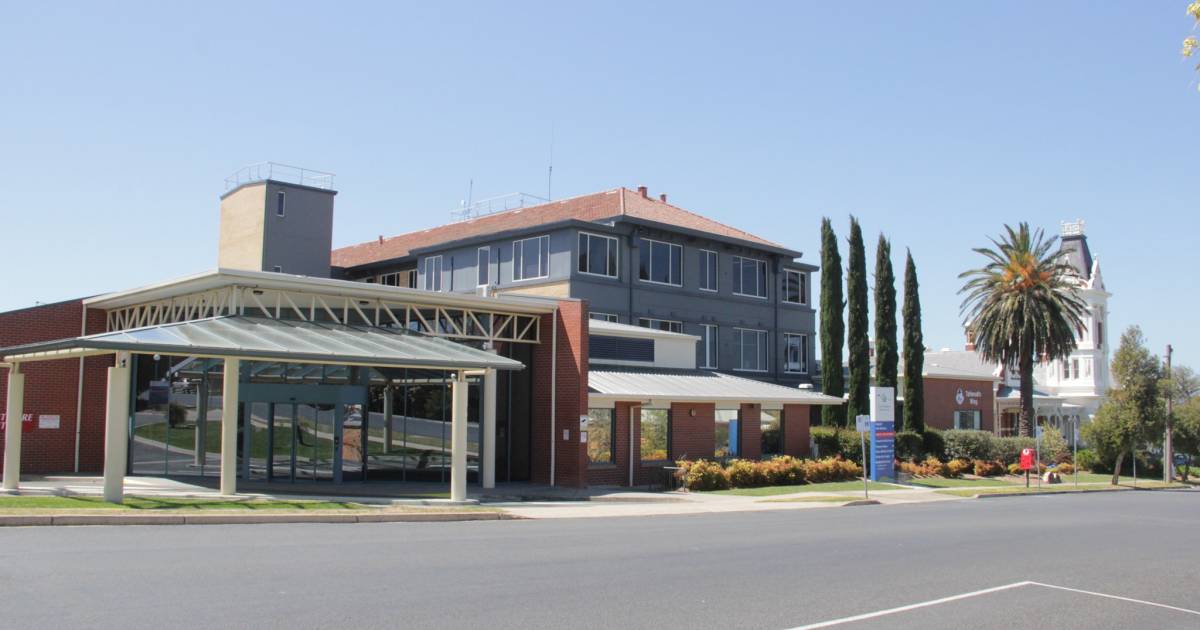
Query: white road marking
1118	597
986	591
926	604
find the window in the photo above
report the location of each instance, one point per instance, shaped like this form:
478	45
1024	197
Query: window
795	286
531	258
660	324
772	431
604	317
795	354
398	279
660	262
609	348
749	277
483	266
1074	368
280	204
967	419
752	349
656	430
708	346
601	436
708	270
597	255
433	273
1099	334
277	269
725	442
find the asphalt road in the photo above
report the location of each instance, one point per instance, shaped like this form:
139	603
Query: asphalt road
778	569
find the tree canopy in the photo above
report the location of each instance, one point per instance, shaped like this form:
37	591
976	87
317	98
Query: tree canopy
1133	412
833	327
857	323
887	356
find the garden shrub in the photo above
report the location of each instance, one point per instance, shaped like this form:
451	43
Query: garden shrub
704	475
1008	449
910	446
969	444
1053	444
831	469
744	473
832	442
1015	469
934	445
1086	459
956	467
909	468
784	470
1064	469
988	468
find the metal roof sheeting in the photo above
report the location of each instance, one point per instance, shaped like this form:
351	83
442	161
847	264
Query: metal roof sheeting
273	339
695	386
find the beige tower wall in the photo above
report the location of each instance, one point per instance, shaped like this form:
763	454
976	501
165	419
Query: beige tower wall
243	217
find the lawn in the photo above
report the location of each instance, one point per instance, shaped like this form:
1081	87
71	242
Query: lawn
169	504
833	486
1063	487
941	482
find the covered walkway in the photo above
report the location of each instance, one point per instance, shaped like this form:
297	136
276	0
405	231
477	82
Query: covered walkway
234	339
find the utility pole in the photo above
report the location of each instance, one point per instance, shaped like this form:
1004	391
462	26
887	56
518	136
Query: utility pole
1168	456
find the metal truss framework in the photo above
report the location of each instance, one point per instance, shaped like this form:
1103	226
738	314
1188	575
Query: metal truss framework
434	320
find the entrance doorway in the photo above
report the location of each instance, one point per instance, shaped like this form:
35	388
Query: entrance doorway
301	433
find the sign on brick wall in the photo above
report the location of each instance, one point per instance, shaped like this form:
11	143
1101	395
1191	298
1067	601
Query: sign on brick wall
26	422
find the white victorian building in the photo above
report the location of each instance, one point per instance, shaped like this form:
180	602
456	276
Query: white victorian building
1069	391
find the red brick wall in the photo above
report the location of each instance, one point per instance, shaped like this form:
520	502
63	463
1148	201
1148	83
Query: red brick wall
750	430
692	437
796	430
52	387
571	463
941	403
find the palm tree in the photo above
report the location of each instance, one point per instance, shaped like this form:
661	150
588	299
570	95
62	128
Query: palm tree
1023	305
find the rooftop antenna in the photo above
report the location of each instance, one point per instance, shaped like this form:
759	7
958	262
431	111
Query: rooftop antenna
550	170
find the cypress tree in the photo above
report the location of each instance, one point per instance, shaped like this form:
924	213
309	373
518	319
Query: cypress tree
833	331
914	352
886	352
857	326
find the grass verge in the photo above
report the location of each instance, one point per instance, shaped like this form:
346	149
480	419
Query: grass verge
833	486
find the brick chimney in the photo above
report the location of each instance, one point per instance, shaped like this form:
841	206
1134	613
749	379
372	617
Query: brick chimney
663	197
970	346
643	192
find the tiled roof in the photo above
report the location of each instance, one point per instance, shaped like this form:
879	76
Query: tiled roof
592	207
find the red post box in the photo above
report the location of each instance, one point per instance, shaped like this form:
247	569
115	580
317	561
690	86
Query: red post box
1026	458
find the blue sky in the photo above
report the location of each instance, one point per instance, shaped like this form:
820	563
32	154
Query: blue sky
935	123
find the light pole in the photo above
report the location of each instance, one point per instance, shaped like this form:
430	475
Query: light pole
1168	456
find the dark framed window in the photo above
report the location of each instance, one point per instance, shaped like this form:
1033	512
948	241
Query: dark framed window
660	262
708	346
602	436
795	285
752	349
795	353
725	442
708	270
749	277
771	431
597	255
280	204
655	440
604	317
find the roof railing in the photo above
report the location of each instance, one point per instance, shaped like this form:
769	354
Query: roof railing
492	205
281	173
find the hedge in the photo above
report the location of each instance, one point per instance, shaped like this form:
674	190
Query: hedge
831	442
783	470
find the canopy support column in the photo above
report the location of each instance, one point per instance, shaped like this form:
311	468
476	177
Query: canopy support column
116	429
458	438
229	426
388	413
488	461
12	432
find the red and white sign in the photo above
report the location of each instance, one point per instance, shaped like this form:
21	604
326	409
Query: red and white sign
26	422
1026	458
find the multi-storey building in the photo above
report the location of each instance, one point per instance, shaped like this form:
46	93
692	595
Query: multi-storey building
635	260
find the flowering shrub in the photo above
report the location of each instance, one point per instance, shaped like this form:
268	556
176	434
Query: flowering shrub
784	470
744	473
985	468
956	467
703	475
1065	468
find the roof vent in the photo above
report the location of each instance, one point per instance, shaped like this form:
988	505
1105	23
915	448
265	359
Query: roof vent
643	192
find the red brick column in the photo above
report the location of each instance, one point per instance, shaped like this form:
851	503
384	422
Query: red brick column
692	430
750	430
571	463
52	389
796	430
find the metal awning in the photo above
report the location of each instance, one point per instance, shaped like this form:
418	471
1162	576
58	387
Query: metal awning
258	338
694	386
